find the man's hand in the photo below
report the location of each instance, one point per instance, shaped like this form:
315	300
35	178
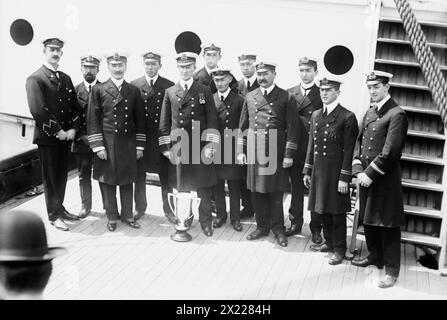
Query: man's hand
84	139
306	181
102	154
62	135
167	154
364	180
140	154
287	162
209	153
241	159
71	134
343	187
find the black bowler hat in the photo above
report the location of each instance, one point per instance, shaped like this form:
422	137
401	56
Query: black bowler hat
23	238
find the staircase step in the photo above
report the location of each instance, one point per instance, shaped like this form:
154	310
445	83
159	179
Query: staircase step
423	159
427	135
421	110
404	63
424	212
424	185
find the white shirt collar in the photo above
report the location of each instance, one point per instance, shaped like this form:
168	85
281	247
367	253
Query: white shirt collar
188	82
49	66
118	83
269	89
225	94
330	107
148	79
252	79
381	103
86	84
307	86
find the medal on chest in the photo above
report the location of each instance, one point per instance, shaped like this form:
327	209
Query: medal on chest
201	98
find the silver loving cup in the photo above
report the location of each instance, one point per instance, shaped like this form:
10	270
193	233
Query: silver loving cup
184	205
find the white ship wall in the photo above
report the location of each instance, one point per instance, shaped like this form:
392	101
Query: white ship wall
281	31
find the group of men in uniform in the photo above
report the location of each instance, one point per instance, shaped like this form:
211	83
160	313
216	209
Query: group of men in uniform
258	138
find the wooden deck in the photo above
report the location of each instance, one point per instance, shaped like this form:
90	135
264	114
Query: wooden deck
147	264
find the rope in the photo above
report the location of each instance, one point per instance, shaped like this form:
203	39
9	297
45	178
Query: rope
424	55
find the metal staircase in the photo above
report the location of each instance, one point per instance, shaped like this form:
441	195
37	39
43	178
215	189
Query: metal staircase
424	177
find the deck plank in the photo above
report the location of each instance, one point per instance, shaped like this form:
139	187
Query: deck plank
147	264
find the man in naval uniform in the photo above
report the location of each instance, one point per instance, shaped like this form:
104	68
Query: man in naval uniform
306	98
248	83
80	147
379	147
152	87
116	133
53	104
273	125
212	55
327	170
229	106
188	110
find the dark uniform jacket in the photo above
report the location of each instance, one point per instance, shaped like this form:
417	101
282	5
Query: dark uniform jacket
203	77
242	87
181	112
153	99
53	104
305	105
329	158
229	113
378	151
79	146
275	111
116	121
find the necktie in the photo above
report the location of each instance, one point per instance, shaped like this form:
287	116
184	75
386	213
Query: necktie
325	112
248	85
186	87
89	87
265	93
152	83
222	98
375	106
57	74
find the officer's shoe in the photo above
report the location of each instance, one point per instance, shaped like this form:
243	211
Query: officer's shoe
84	213
387	282
111	226
237	225
68	216
293	229
207	230
281	238
258	233
138	215
132	223
219	222
59	224
245	214
171	217
336	259
367	262
321	248
317	238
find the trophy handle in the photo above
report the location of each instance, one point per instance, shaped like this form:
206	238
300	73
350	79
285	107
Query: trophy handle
171	196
